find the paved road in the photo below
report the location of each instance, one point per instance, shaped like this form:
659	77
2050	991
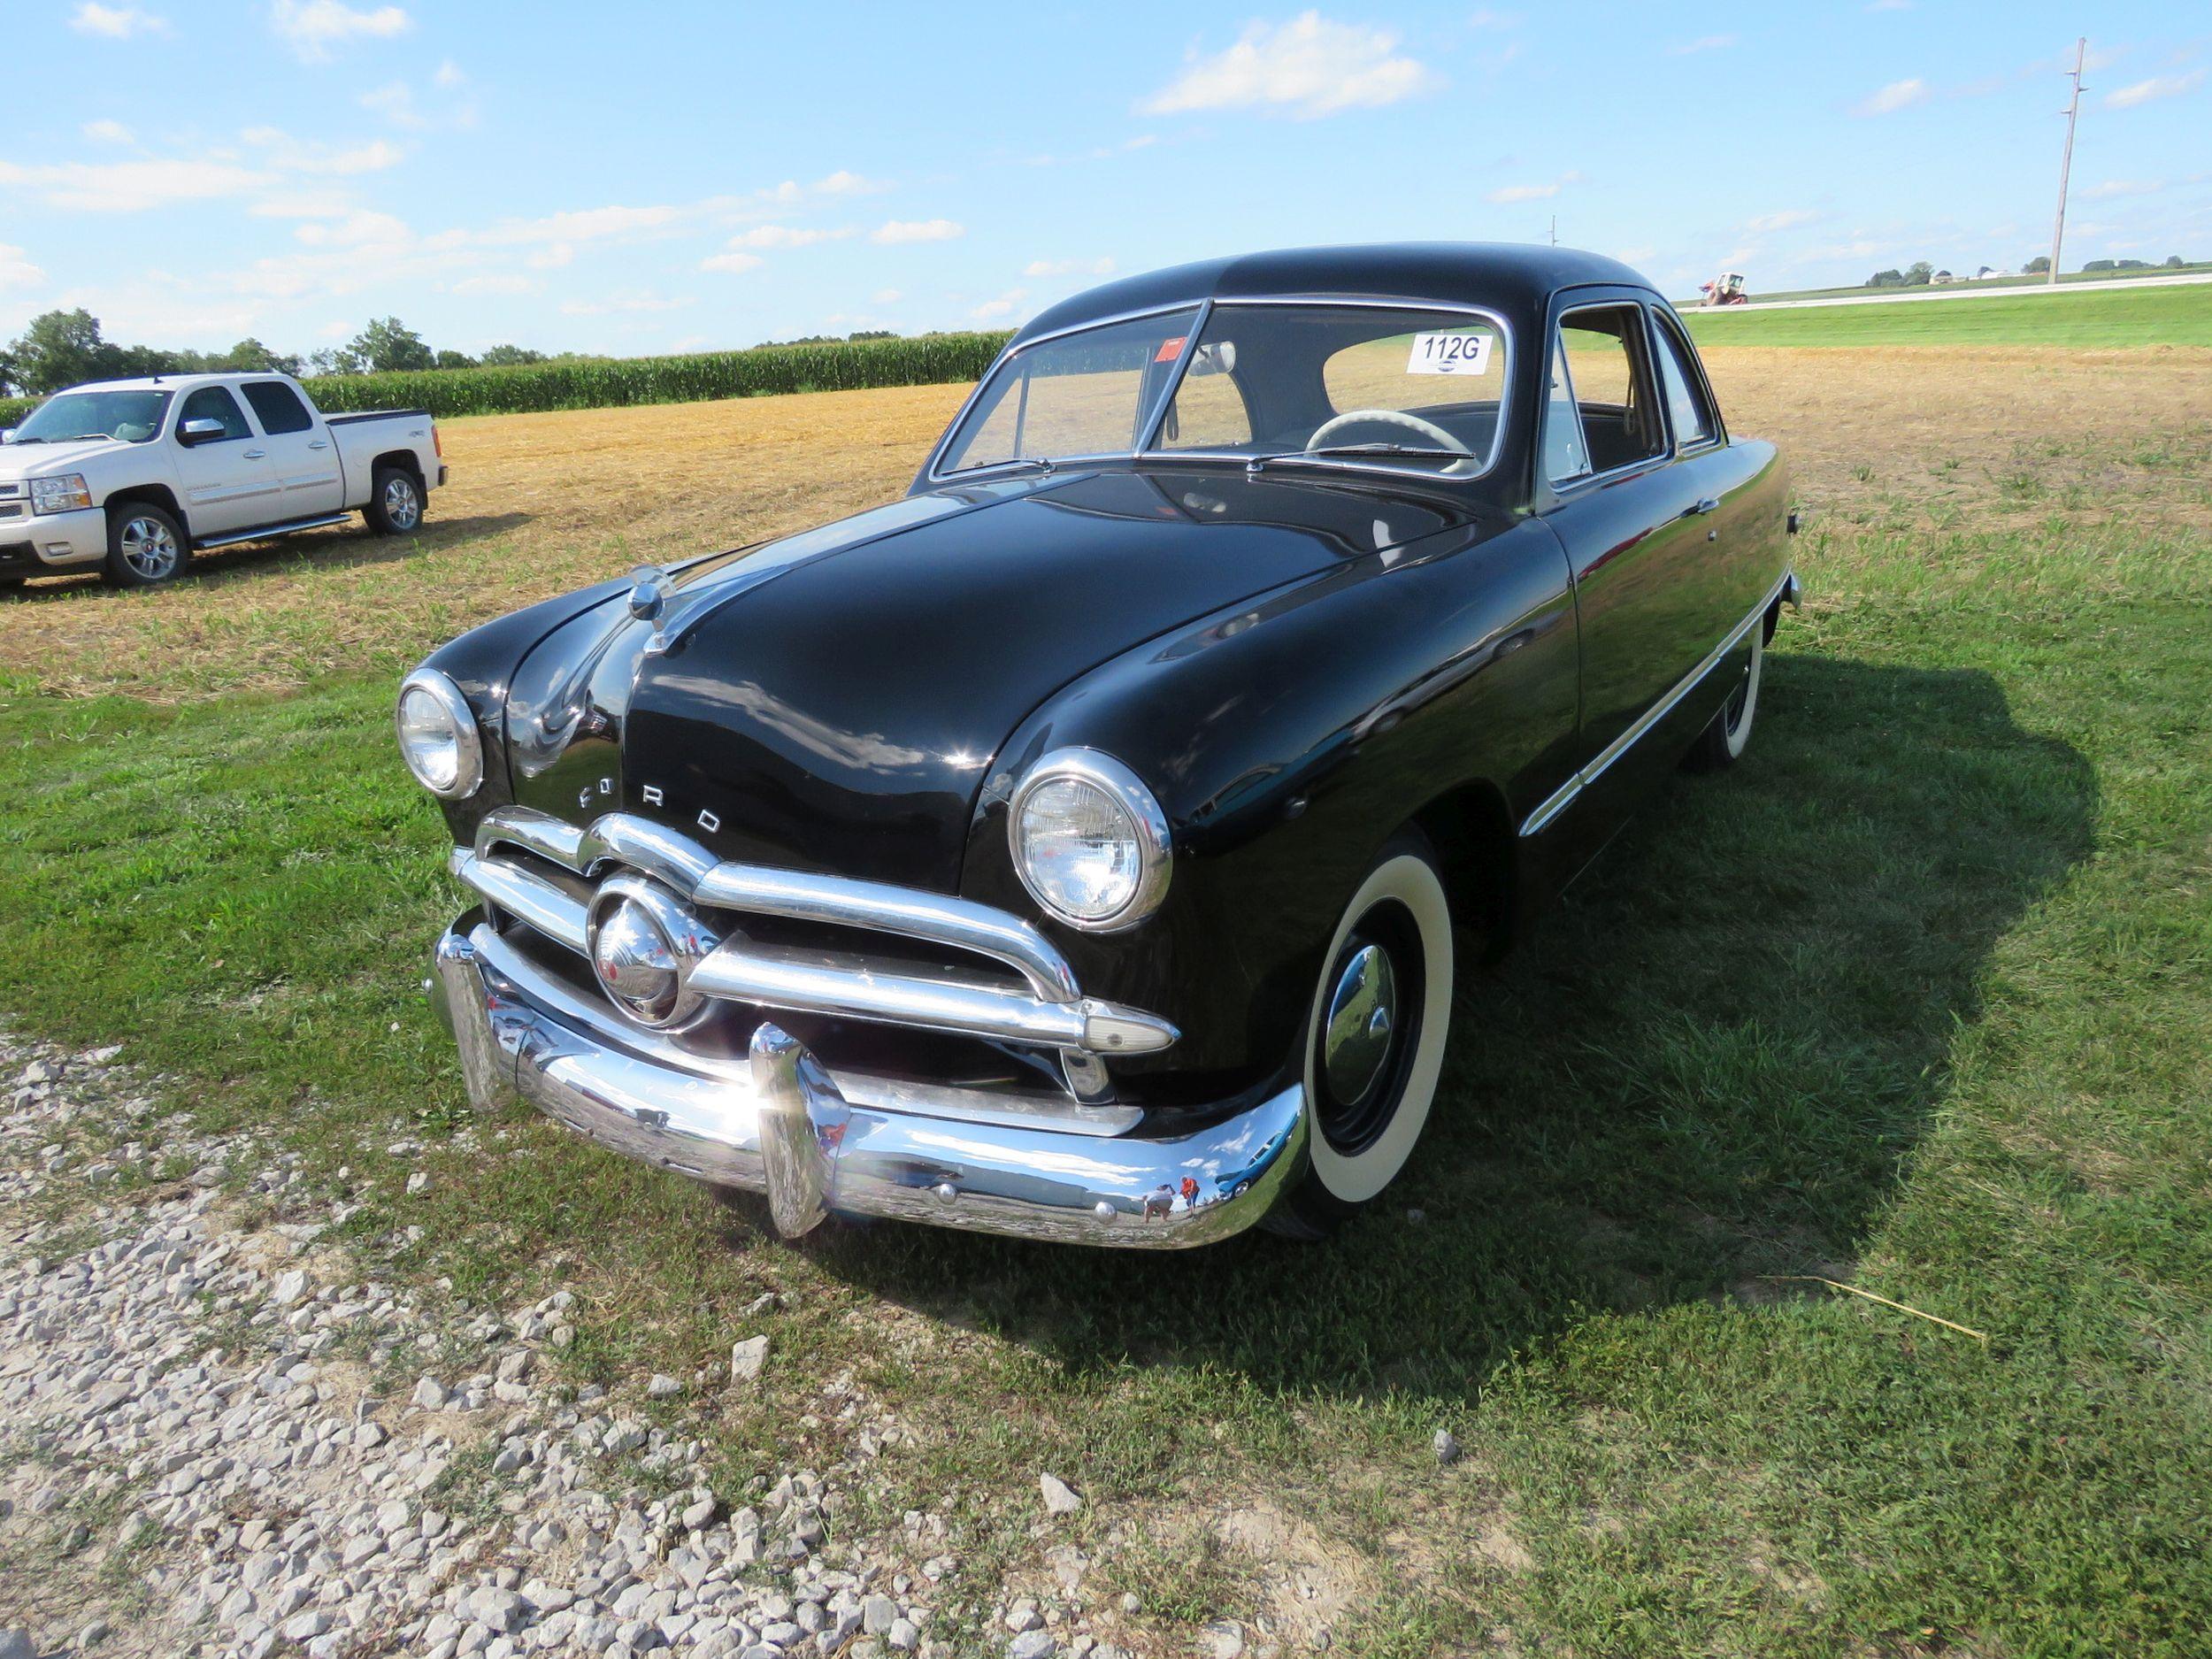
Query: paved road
1914	296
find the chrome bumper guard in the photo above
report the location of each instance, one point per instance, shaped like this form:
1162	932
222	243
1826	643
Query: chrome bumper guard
780	1123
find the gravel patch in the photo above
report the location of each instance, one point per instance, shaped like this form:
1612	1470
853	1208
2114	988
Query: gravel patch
203	1453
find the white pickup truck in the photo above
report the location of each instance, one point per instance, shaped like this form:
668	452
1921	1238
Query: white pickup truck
132	475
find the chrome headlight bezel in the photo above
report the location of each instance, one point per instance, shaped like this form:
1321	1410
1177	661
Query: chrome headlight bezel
1129	796
64	491
467	739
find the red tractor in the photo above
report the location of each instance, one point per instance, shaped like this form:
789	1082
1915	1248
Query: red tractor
1725	289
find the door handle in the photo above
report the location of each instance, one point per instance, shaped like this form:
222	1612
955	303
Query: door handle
319	443
1709	504
257	455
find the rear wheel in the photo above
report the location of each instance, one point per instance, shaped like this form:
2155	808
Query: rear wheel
395	501
1374	1038
1722	743
146	546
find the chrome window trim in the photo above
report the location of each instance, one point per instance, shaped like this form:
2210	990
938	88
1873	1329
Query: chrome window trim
1150	451
467	738
1155	846
1560	798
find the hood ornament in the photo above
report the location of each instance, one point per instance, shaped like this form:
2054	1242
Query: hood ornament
648	594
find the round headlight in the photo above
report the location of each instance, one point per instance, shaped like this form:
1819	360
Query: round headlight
437	735
1090	843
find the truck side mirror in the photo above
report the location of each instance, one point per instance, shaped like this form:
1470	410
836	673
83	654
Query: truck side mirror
7	435
194	432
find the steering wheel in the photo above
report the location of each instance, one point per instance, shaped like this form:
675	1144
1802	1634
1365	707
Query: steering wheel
1428	429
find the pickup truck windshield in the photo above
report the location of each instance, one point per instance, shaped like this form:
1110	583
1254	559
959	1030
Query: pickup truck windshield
131	417
1405	387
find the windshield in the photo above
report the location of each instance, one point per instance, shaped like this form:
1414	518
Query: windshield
1407	388
133	416
1085	394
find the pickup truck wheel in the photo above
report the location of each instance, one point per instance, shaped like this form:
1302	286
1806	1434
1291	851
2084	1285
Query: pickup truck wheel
1374	1039
395	503
146	547
1722	743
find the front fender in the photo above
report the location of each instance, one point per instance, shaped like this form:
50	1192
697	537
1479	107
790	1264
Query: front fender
1286	740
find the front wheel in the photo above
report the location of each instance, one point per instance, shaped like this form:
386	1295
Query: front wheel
1375	1037
146	546
1722	743
395	501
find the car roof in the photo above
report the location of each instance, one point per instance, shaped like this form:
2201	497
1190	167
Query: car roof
172	382
1515	278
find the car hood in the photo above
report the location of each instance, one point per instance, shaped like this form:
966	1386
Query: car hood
22	460
833	701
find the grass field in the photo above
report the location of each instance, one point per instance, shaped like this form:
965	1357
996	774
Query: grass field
1915	1000
1969	283
2179	316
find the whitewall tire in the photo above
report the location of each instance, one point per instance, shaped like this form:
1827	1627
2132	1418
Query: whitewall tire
1375	1037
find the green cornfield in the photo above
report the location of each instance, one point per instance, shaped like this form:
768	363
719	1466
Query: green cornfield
610	382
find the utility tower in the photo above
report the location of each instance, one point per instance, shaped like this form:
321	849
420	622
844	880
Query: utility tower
2066	166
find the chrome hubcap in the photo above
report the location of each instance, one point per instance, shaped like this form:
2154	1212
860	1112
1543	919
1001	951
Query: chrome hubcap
149	548
1363	1013
400	505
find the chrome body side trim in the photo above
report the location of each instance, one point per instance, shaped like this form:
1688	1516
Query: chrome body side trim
780	1123
1563	797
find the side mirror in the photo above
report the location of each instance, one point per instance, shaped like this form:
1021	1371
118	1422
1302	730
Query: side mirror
7	435
194	432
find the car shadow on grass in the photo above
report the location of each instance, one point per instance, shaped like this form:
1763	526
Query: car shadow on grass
342	547
1708	1065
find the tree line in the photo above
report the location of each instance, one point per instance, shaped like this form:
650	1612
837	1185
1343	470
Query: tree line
1921	272
62	348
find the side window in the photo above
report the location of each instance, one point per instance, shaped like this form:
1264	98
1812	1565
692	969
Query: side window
214	403
1565	455
1209	412
1686	408
1610	372
279	408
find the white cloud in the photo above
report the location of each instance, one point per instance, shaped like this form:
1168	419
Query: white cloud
590	224
353	230
550	258
1485	18
627	300
1068	267
1001	309
16	269
2112	188
117	23
1899	95
313	28
2157	87
449	76
902	230
1510	193
106	132
787	236
844	183
125	187
396	103
1783	220
1306	67
497	286
289	154
1703	44
889	296
733	262
321	204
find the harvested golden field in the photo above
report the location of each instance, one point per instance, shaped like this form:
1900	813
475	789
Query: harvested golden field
1881	441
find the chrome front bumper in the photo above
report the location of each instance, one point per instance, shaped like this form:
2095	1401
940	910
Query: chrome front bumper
780	1123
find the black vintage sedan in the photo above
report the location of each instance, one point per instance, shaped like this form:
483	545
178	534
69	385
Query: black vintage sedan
1085	846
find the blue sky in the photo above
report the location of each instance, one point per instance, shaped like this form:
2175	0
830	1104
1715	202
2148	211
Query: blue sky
677	176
